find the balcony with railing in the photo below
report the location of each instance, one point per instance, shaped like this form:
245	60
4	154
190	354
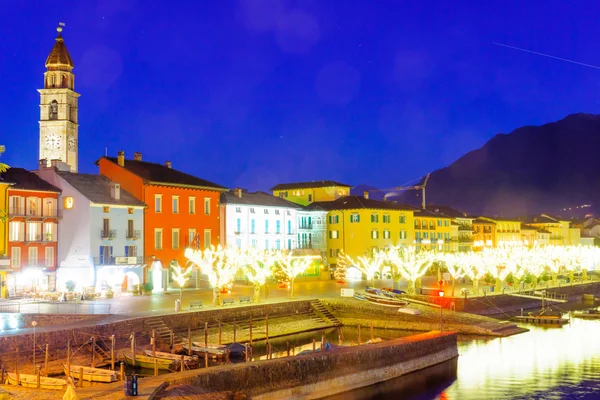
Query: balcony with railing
33	237
465	239
465	227
34	213
109	234
118	260
305	226
133	234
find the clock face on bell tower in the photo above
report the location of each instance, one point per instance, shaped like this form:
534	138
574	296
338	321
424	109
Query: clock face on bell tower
59	126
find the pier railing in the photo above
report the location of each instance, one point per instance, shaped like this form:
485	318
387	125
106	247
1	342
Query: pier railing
43	307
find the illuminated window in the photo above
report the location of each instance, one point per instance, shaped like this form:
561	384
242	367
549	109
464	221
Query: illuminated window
158	238
192	205
158	203
374	217
374	234
334	234
206	206
402	234
130	210
175	238
207	238
68	203
355	218
175	201
386	234
403	219
106	209
386	219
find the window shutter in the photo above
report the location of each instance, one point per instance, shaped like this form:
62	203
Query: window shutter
126	251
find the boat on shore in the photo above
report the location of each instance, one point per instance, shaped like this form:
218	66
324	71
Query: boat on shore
545	317
149	362
411	311
592	313
385	301
91	374
236	350
30	381
189	361
359	296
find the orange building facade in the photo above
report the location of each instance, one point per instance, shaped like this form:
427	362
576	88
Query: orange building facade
32	232
484	234
182	209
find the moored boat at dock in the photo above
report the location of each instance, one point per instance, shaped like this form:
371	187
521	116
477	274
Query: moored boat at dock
149	362
30	381
189	361
91	374
592	313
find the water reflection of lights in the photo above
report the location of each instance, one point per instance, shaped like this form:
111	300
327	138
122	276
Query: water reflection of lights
531	361
9	322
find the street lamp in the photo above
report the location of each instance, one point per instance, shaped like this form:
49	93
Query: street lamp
441	293
34	324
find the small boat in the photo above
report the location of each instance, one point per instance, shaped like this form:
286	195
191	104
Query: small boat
149	362
374	340
411	311
359	296
189	361
236	350
92	374
545	317
198	351
592	313
394	292
384	301
30	381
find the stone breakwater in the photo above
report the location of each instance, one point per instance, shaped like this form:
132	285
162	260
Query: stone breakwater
354	312
323	374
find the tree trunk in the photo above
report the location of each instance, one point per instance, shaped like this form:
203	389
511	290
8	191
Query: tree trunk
217	301
554	279
584	275
453	286
498	285
256	298
292	287
411	289
417	283
476	286
534	282
571	277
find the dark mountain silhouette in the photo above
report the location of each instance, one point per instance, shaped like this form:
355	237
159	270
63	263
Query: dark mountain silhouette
533	169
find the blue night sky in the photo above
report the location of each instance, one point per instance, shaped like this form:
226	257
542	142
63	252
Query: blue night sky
253	93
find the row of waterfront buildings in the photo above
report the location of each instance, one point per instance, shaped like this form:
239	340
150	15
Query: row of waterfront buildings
112	228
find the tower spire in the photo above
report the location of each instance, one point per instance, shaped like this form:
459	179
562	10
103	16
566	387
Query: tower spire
60	29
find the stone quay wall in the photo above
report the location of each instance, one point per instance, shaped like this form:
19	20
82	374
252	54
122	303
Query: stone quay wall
496	304
123	329
196	319
325	373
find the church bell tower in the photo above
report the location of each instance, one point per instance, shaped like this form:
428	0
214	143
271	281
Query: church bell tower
58	107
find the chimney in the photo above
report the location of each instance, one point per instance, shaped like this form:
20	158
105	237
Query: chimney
137	156
121	158
43	163
115	191
168	164
238	192
366	194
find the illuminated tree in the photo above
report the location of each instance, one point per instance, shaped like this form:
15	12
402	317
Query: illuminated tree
410	263
341	268
369	266
291	266
454	264
475	268
180	276
259	265
218	264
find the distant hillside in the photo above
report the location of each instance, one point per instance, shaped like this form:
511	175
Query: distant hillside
530	170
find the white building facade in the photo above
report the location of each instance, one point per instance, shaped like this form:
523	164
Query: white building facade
101	234
258	220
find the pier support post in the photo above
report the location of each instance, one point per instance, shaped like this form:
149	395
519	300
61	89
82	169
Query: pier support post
358	333
122	371
81	377
206	334
155	366
220	332
189	340
93	351
182	364
112	352
234	331
250	331
205	360
46	360
68	358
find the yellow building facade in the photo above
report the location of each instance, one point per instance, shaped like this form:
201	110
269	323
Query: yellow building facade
434	231
4	256
357	226
508	231
305	193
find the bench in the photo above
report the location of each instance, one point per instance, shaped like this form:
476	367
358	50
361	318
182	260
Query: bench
228	302
195	304
244	299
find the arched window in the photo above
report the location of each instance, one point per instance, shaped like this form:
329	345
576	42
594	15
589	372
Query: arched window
64	81
53	84
54	110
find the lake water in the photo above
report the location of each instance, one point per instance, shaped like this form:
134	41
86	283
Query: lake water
545	363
